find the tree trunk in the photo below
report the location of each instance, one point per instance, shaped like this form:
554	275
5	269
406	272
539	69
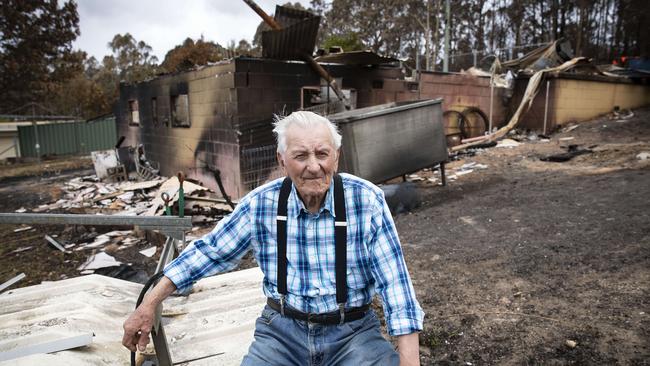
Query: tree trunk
436	30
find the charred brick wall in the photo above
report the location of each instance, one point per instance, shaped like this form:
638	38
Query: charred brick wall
208	143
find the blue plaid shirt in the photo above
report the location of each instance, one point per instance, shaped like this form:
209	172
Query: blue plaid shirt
375	260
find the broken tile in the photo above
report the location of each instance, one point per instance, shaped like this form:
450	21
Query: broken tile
99	260
142	185
100	240
149	252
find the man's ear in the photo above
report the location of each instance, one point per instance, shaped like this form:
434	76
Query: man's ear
338	157
281	161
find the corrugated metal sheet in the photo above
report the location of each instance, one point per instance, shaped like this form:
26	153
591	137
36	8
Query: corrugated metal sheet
69	137
296	38
218	317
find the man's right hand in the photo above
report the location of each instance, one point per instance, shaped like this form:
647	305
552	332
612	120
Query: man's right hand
137	328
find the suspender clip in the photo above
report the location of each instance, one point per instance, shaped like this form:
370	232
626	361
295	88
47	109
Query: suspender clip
342	313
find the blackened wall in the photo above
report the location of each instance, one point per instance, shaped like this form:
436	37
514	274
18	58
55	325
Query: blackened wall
209	143
231	106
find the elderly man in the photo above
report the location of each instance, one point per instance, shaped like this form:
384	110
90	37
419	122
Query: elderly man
326	244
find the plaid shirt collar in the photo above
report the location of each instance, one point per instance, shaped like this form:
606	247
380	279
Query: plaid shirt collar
295	205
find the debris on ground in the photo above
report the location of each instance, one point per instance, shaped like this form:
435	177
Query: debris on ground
572	152
149	252
21	249
508	143
55	243
621	116
97	261
570	343
88	194
401	197
569	128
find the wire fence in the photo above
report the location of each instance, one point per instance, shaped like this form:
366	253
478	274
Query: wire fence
259	165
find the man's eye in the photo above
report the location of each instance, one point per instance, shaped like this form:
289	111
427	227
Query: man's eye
300	156
322	154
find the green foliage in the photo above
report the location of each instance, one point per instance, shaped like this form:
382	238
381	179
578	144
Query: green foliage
602	29
349	42
36	50
132	58
191	54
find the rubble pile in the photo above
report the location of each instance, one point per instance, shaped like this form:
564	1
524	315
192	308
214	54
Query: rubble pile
89	194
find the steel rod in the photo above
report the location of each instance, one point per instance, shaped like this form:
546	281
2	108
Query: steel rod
548	84
11	282
150	222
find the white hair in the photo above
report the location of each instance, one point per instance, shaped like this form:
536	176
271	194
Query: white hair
305	120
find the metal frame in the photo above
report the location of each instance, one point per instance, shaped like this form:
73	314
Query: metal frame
173	227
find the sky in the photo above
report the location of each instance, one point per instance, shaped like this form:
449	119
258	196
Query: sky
164	24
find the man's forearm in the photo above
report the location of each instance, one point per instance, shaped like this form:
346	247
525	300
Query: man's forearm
408	346
160	292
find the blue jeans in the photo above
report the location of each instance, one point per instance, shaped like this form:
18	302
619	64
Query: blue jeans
284	341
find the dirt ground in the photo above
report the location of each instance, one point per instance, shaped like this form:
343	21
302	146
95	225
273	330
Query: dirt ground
511	262
522	262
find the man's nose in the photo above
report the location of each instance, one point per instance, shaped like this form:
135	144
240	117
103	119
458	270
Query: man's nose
312	164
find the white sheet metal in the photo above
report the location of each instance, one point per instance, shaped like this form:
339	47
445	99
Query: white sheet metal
218	316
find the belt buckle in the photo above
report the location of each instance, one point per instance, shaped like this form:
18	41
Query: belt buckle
282	305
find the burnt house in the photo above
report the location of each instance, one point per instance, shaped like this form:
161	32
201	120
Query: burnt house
219	117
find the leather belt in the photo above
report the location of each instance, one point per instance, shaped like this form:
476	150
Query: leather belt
324	318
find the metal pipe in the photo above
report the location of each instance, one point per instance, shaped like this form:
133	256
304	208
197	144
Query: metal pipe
267	18
37	145
548	83
491	101
325	75
181	194
152	222
11	282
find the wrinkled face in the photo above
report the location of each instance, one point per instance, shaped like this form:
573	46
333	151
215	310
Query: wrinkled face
310	160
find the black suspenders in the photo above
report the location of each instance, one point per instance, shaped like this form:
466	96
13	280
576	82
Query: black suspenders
340	239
